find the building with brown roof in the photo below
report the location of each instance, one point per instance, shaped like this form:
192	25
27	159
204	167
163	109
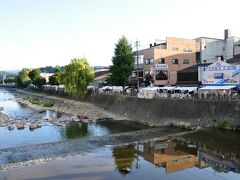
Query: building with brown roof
162	60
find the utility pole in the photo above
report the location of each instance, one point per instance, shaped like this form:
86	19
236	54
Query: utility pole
137	44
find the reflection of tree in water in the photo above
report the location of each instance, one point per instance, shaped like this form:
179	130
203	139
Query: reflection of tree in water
124	158
76	130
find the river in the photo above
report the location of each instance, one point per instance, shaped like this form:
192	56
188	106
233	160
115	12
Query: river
91	152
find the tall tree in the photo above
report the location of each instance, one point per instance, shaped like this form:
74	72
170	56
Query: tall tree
76	77
22	79
55	78
39	82
123	62
34	74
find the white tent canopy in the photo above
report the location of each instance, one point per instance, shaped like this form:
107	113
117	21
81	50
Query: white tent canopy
217	87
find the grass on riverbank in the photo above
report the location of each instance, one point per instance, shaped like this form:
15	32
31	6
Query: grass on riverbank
226	125
38	102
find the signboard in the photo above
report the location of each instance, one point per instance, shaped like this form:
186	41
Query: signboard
219	73
161	66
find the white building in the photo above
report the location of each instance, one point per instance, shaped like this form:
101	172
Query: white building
46	76
212	48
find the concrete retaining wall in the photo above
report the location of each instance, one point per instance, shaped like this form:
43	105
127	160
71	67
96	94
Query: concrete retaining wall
170	111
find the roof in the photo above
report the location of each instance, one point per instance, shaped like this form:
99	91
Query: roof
193	68
217	87
209	38
101	73
234	60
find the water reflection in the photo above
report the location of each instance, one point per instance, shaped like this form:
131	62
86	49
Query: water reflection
75	130
217	149
124	158
181	154
168	154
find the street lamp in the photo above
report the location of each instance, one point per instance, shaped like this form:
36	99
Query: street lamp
137	44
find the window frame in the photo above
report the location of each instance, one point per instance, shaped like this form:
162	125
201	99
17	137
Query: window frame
175	61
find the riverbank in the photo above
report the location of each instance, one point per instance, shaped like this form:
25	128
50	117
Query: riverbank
171	112
183	113
65	111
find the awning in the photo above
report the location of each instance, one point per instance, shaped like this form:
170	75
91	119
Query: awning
217	87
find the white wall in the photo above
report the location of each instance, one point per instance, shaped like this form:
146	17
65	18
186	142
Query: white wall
211	49
214	47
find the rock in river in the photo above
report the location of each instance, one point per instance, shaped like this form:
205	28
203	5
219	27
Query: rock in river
20	126
11	127
33	126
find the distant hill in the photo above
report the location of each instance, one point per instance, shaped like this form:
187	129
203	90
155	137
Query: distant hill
10	74
101	67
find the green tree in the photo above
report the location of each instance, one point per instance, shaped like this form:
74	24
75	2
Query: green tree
55	78
76	77
34	74
39	82
22	79
148	78
123	63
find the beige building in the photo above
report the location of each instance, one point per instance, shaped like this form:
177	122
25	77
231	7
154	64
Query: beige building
163	59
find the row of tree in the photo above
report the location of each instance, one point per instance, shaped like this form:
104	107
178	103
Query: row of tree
77	75
27	76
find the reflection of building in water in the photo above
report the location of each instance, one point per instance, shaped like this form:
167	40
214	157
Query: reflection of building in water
218	164
168	154
217	149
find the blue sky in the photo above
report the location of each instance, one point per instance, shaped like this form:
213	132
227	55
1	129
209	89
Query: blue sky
36	33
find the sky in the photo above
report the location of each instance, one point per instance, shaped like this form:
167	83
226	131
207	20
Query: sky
37	33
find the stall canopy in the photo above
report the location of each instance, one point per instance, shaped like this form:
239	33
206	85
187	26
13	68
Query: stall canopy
217	87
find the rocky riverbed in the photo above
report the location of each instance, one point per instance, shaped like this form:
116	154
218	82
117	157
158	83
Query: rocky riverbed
68	111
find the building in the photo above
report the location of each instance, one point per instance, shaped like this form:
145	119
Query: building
189	76
46	76
138	68
164	58
100	78
212	48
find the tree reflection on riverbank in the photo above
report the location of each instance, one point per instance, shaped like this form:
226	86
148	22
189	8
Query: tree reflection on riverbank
75	130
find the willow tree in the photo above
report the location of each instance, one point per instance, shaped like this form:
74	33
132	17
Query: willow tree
76	77
22	79
123	63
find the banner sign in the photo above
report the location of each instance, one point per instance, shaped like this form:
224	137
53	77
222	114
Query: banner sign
219	73
161	66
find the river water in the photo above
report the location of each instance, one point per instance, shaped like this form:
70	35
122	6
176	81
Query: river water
206	154
50	133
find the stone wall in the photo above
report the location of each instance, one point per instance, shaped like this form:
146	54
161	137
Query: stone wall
170	111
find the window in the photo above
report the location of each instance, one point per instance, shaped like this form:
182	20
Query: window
161	75
185	61
187	50
140	59
161	61
149	61
174	48
175	61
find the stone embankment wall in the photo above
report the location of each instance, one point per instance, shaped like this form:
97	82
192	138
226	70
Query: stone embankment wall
170	111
